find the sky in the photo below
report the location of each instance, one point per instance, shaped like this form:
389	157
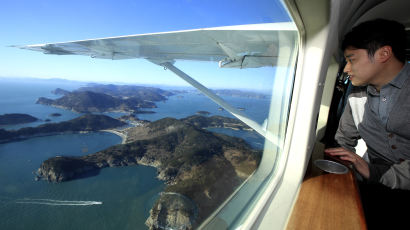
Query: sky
25	22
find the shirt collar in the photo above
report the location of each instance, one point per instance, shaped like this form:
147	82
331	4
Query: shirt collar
397	82
372	90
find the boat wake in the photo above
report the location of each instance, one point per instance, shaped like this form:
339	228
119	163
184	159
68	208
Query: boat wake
58	202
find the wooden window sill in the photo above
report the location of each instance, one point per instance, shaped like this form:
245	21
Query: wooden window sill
328	201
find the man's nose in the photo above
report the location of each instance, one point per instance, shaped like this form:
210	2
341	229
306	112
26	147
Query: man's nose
347	68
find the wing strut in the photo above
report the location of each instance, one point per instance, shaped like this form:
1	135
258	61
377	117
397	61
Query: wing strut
238	114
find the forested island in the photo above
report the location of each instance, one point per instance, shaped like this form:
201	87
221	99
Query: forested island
104	98
16	118
143	92
88	102
55	114
201	168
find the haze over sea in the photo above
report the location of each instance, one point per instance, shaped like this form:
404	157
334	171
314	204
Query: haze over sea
116	198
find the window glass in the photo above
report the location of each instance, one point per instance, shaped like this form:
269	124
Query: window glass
94	143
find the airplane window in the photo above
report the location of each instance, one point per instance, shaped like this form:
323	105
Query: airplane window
119	140
272	115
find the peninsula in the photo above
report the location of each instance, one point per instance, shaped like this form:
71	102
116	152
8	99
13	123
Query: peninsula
216	122
60	91
201	168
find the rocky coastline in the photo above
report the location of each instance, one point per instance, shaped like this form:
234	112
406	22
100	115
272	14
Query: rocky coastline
201	168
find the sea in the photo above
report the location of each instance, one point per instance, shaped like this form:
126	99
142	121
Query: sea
115	198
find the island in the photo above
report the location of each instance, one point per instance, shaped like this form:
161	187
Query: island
16	118
107	98
240	93
89	102
143	112
55	114
85	123
201	168
204	113
143	92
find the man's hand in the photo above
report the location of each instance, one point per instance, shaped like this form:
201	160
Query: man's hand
361	165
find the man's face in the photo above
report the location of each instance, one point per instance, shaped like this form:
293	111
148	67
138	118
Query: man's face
361	69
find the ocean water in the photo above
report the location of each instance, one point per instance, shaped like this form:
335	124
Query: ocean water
115	198
187	104
20	96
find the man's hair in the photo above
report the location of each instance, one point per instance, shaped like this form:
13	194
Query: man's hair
372	35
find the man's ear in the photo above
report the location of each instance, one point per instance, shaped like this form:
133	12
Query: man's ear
384	53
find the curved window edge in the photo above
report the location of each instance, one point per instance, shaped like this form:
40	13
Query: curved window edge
241	210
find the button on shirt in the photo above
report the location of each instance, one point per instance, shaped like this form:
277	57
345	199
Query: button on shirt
381	104
385	127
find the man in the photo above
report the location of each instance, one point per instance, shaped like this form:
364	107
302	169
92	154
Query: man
378	109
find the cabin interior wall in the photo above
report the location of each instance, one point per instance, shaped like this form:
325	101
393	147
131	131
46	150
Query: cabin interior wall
328	88
321	24
397	10
315	80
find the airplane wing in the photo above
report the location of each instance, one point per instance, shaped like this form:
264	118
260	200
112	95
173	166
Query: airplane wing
245	46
